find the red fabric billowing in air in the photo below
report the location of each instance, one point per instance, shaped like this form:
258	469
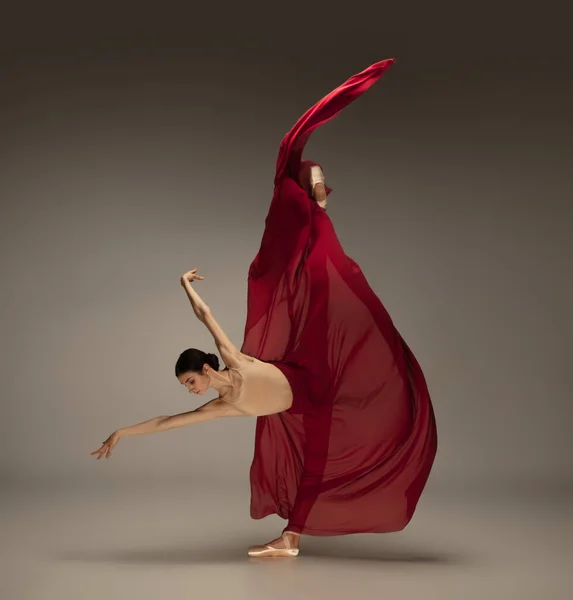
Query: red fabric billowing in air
355	450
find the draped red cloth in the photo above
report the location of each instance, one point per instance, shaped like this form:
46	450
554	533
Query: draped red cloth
354	451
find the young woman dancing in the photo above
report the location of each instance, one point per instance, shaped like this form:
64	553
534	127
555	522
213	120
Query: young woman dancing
345	436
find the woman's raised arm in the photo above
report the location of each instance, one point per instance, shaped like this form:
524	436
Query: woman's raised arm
230	354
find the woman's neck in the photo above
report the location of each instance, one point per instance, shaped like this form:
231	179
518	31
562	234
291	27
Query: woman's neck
220	381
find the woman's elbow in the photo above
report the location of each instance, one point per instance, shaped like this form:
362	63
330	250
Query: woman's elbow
202	313
166	422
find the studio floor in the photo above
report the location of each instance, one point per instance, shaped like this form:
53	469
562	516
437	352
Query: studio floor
182	540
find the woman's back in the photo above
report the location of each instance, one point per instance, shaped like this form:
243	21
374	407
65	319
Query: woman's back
259	388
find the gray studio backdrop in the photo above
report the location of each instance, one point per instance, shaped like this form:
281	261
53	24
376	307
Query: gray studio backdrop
130	158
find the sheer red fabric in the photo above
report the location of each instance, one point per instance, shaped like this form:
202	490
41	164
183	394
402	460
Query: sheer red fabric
354	451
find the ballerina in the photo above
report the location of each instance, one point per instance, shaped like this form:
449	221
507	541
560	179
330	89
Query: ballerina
346	436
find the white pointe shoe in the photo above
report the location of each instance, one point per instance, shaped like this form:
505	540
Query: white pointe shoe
271	552
316	176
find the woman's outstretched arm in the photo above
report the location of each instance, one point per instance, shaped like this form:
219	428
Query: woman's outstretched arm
230	354
214	409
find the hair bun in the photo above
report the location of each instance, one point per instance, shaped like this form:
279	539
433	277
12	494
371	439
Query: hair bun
193	360
213	361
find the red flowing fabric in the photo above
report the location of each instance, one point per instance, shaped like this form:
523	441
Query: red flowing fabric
355	450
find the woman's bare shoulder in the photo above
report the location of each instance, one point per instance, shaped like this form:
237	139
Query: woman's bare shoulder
246	359
238	360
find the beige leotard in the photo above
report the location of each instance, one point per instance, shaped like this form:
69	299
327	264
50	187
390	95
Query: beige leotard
260	388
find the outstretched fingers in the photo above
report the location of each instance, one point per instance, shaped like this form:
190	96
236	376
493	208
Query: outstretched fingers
105	449
192	275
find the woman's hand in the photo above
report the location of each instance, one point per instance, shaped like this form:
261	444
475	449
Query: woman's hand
199	307
107	446
190	276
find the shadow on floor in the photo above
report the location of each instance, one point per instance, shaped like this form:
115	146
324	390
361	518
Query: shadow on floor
236	553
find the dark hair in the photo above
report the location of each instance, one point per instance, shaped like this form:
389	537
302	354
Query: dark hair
193	360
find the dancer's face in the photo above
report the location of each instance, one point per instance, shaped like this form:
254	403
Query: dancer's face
196	383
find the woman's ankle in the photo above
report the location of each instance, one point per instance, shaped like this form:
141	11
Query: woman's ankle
293	537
